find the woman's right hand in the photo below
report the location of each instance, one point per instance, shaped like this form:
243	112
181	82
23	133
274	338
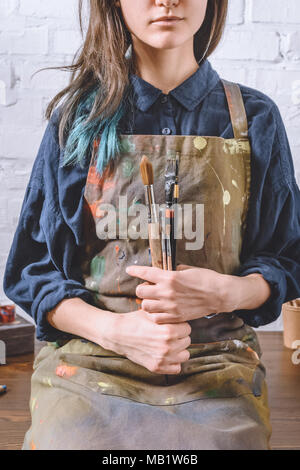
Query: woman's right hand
160	348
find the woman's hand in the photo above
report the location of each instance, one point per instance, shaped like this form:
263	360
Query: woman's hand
183	295
158	348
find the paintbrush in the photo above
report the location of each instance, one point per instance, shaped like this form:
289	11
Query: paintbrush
163	237
170	179
146	169
175	202
169	216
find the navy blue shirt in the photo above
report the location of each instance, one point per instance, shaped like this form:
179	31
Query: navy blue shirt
41	267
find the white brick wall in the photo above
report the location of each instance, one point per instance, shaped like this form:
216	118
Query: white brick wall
261	49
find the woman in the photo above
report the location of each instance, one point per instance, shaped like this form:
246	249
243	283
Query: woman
139	357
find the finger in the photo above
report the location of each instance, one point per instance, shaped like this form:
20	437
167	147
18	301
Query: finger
147	291
183	356
152	306
163	318
181	330
176	358
181	345
171	369
176	331
148	273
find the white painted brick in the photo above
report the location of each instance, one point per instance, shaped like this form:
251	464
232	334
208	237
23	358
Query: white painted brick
5	72
236	11
293	46
44	9
12	23
66	42
276	11
5	242
8	7
15	205
281	87
51	80
253	45
30	41
20	142
296	92
234	73
3	212
25	113
293	132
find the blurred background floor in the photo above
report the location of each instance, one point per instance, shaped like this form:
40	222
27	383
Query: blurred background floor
283	379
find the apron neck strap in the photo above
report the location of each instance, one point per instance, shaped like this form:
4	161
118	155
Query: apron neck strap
237	109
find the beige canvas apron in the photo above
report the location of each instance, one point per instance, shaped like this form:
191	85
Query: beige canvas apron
85	397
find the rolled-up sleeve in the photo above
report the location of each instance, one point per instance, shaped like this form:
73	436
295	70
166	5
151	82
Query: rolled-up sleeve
272	244
35	278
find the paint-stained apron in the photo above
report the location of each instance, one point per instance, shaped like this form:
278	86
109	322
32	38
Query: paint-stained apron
86	397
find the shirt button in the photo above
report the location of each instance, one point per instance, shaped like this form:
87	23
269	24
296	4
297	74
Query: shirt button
166	131
164	99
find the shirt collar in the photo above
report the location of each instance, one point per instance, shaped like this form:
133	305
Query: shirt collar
189	93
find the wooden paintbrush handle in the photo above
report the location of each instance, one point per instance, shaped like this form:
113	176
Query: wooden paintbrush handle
155	245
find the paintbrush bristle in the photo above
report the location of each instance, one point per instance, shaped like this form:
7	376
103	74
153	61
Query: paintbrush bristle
177	164
147	171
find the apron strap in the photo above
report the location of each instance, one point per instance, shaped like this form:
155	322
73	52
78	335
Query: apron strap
237	109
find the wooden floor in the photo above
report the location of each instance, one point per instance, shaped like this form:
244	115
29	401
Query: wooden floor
283	380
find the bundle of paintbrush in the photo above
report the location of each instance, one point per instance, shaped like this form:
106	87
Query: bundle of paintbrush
162	230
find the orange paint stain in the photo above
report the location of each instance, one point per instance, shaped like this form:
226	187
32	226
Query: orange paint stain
96	179
253	352
100	213
139	303
109	185
93	177
32	446
66	371
95	210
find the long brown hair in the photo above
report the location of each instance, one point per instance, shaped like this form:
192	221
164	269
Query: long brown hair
100	61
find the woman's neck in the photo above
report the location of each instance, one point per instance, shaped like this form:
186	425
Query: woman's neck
165	69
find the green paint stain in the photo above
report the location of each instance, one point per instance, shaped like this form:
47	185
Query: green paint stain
127	146
127	167
33	403
47	381
55	344
247	338
98	267
211	393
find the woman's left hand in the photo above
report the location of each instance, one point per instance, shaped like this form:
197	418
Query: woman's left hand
182	295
